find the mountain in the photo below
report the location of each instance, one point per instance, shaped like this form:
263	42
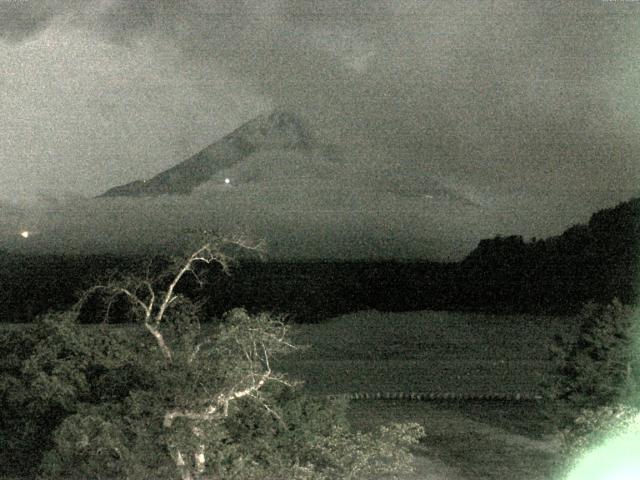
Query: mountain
276	131
276	151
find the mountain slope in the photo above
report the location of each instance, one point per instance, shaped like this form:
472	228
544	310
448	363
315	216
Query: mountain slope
278	130
276	151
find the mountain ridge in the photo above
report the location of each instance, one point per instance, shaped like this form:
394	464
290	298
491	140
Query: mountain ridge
279	147
279	129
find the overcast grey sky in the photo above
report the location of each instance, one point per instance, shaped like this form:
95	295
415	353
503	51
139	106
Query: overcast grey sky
512	102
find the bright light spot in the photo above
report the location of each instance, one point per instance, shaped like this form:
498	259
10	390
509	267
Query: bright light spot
616	459
24	234
227	181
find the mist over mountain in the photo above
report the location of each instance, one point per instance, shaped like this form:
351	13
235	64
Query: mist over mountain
280	148
305	197
596	260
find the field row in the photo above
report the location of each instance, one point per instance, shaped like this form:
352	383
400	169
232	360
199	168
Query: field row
323	377
425	352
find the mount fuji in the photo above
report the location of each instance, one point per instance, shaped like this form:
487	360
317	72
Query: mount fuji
279	148
272	178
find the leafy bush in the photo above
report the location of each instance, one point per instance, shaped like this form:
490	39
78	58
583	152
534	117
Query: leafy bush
597	374
49	369
591	425
599	365
95	400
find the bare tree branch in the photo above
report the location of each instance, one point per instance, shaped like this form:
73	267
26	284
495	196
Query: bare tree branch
164	348
197	349
209	252
222	402
257	338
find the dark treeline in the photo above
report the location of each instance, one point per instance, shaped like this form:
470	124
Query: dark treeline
597	261
307	291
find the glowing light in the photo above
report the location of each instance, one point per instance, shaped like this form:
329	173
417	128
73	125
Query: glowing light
227	181
616	459
24	234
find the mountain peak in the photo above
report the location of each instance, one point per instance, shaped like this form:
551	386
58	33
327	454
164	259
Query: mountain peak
278	129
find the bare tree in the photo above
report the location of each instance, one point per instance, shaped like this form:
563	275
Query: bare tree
249	343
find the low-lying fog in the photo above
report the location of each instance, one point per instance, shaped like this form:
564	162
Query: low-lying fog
298	217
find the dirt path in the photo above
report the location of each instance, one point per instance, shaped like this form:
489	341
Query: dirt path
427	468
456	444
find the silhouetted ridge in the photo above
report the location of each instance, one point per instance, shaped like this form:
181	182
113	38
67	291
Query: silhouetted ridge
597	261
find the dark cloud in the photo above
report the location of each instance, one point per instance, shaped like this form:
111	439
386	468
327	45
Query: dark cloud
499	93
21	19
532	107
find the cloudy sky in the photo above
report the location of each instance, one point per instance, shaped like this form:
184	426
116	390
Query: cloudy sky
532	109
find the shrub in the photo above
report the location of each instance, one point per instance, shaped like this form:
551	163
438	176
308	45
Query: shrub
599	365
591	425
597	374
110	424
51	368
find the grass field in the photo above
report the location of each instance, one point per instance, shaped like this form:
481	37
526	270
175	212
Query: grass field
443	351
424	352
464	444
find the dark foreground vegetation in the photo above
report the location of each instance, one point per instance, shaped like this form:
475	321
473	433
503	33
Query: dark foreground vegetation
61	380
175	401
163	399
594	262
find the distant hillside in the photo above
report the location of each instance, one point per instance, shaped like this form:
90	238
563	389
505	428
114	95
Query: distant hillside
278	130
596	261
